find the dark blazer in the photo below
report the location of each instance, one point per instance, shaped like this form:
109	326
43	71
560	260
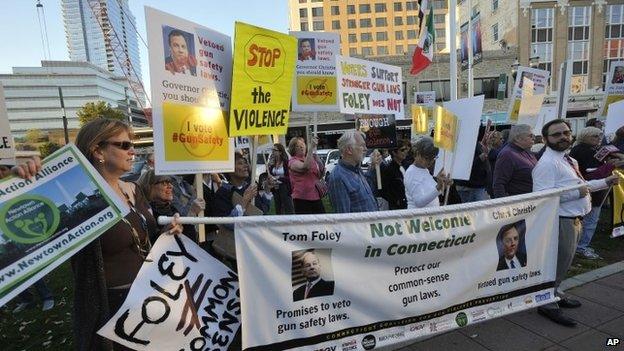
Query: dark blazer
502	264
321	288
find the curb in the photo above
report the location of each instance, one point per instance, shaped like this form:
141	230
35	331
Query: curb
591	276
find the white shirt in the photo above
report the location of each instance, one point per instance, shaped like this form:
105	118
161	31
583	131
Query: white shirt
515	261
553	171
420	188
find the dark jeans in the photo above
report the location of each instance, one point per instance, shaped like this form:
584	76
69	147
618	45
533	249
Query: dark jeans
283	200
42	290
308	207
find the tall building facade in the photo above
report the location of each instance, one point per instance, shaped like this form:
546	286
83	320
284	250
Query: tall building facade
103	32
590	33
32	94
369	27
499	22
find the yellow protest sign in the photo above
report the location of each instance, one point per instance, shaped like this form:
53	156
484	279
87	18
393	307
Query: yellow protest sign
264	64
445	135
618	207
194	133
420	119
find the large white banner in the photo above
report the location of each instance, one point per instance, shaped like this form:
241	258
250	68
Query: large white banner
614	90
191	74
363	280
182	299
367	87
539	79
315	80
7	146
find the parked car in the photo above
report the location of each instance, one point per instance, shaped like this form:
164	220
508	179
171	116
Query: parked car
330	158
134	174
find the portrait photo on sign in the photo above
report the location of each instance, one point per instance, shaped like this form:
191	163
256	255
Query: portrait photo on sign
618	75
312	274
179	51
511	246
307	49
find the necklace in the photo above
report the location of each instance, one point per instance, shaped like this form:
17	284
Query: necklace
143	247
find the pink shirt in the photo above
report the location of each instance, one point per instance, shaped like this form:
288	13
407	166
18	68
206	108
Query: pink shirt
303	183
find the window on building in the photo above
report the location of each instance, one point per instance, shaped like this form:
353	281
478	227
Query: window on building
365	8
440	4
411	5
302	1
317	0
412	20
398	6
381	36
380	7
487	86
398	35
614	38
542	26
495	32
305	27
411	48
494	5
438	18
351	9
353	51
303	13
318	25
366	37
398	21
440	34
367	51
399	50
474	11
579	22
352	38
411	34
317	12
382	50
336	24
442	89
335	10
381	22
365	23
351	23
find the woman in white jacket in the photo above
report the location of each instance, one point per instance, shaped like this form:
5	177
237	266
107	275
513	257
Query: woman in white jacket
421	188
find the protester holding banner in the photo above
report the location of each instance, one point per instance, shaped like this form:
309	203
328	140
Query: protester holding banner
305	177
350	189
515	162
393	189
421	189
159	193
555	169
105	269
278	169
584	152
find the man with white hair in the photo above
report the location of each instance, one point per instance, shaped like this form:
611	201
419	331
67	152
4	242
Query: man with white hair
314	285
514	164
350	189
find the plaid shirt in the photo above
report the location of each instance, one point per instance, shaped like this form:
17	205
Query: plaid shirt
350	189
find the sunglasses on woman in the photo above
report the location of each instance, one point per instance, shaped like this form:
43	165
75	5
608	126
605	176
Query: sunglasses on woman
124	145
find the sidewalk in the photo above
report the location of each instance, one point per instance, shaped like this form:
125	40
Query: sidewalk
602	316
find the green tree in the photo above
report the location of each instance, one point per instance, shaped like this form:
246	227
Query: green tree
99	109
48	148
33	136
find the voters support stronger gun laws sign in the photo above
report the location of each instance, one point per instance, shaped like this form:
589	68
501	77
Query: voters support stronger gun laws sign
46	219
381	278
181	299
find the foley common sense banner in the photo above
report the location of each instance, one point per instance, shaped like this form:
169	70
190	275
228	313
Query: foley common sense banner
369	280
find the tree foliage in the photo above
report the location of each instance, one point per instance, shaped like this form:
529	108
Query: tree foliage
100	109
48	148
33	136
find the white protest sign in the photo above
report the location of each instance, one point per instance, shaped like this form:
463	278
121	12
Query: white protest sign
546	114
315	76
191	73
614	90
425	98
615	118
183	299
530	109
48	218
380	278
539	79
468	112
367	87
7	146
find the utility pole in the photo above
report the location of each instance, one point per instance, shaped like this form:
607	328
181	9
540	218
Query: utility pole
64	115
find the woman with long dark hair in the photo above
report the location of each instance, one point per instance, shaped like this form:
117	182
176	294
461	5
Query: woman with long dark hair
278	169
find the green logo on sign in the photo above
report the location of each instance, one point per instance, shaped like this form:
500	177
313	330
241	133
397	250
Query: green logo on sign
29	219
461	319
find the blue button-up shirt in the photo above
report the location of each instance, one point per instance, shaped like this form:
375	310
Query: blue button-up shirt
350	190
